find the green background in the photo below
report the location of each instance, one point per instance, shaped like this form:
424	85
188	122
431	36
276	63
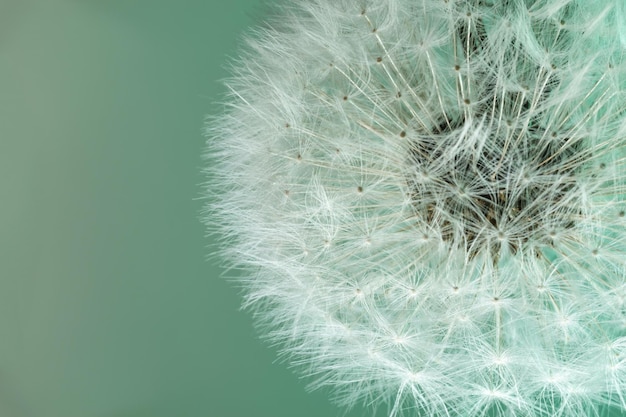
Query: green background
108	304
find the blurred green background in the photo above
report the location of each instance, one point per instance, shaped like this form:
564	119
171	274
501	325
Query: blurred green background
108	306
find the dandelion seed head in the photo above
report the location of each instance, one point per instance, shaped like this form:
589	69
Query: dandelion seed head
426	200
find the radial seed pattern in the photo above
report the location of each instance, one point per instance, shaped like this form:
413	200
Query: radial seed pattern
428	200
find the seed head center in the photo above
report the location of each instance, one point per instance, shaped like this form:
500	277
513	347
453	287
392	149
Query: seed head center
484	188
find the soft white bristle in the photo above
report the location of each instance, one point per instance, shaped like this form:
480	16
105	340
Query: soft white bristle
427	199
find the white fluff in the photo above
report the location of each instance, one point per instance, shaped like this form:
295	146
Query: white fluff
427	201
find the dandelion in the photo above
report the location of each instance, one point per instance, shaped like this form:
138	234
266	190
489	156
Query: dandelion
428	198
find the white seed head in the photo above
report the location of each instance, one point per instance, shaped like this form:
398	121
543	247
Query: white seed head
427	199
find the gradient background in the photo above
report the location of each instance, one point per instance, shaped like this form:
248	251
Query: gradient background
108	306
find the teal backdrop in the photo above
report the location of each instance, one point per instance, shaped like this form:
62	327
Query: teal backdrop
109	303
109	306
